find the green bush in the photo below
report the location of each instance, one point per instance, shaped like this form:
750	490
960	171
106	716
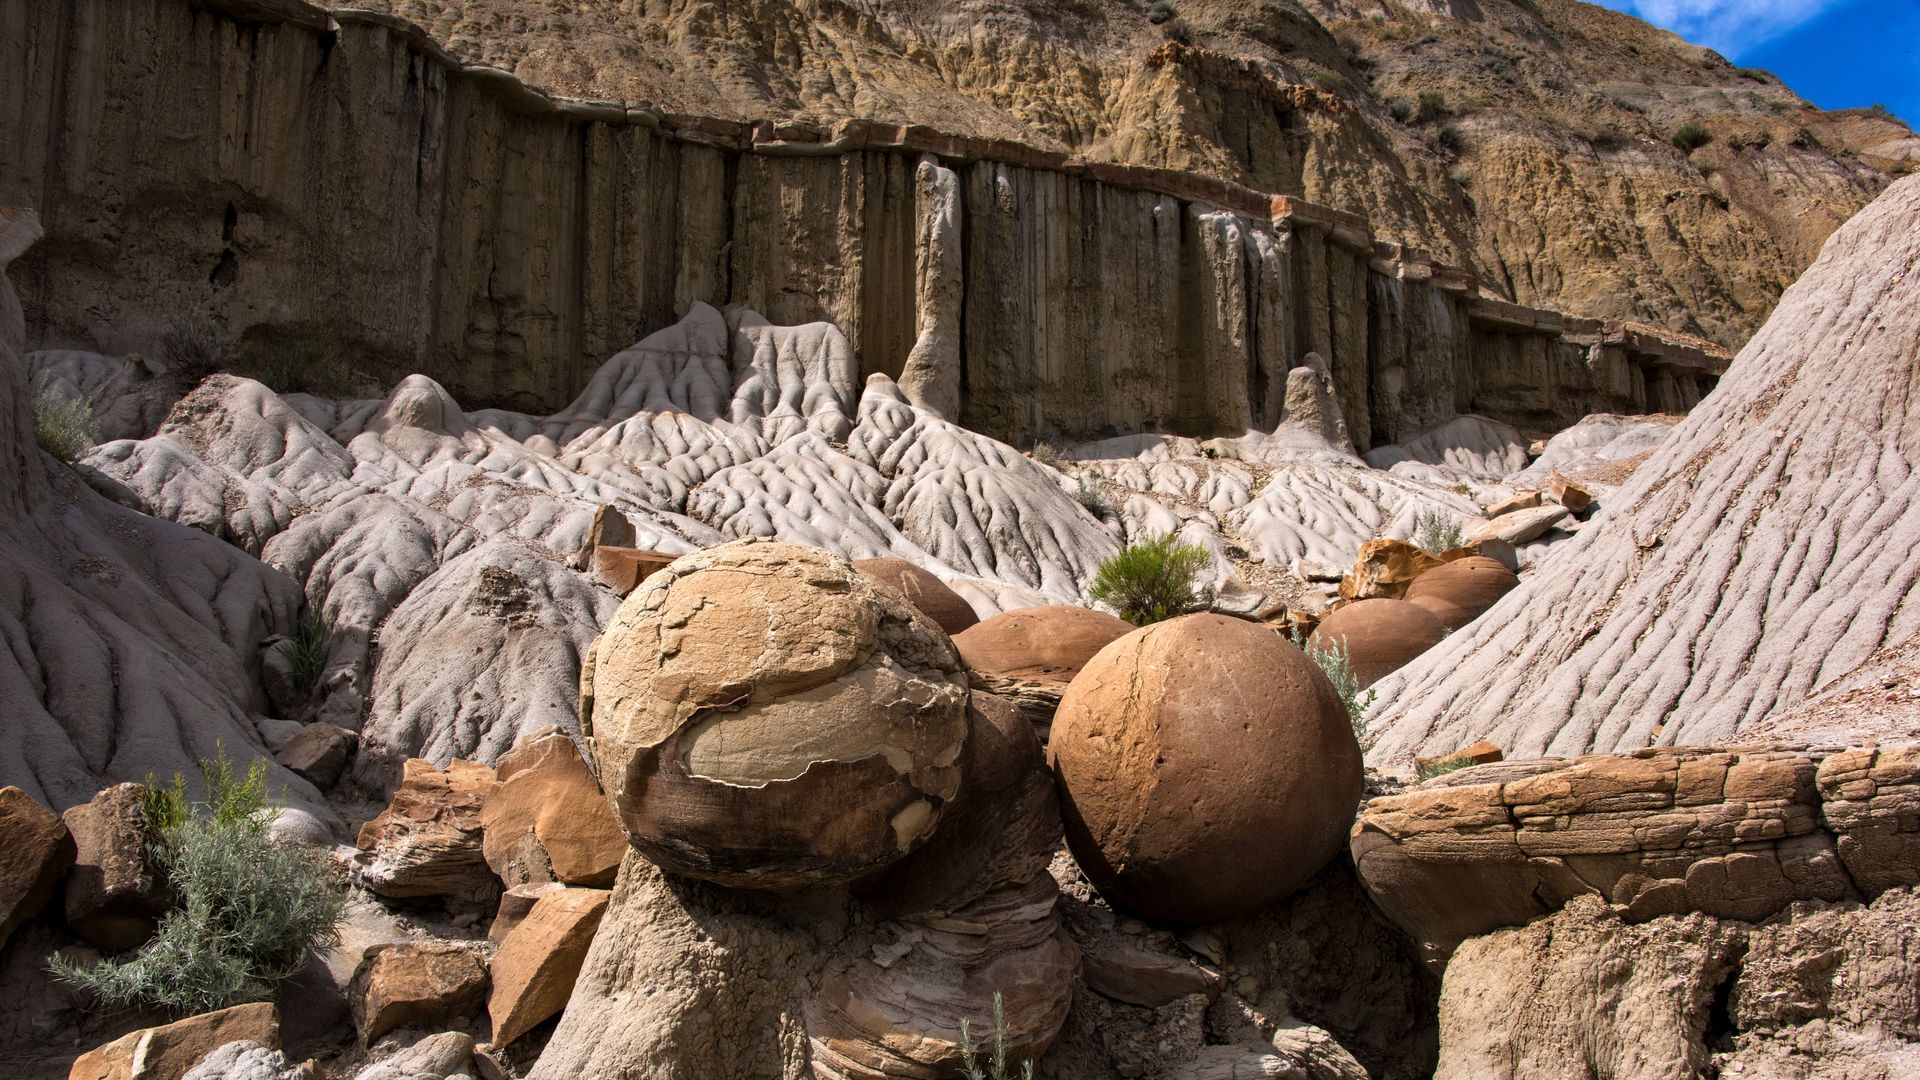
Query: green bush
1336	662
1400	109
1093	499
1160	12
1153	580
63	426
996	1065
1432	103
1332	81
1436	531
253	908
1442	768
1691	137
306	650
1453	138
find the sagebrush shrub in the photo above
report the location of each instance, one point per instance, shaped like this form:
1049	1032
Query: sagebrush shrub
253	907
1089	495
1153	580
63	426
1436	531
1336	663
996	1064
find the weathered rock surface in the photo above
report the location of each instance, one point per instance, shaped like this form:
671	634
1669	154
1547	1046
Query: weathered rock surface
1029	655
116	892
166	1053
1385	570
1196	789
427	842
246	1060
423	984
1458	592
764	716
922	590
1001	831
1759	557
1379	636
35	850
129	643
534	970
1739	834
445	1056
1823	992
545	819
319	752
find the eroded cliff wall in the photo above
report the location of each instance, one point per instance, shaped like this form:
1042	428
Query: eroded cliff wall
292	172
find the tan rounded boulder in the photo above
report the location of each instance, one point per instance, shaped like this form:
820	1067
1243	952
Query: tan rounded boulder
1461	591
1380	636
766	717
1206	769
922	590
1051	642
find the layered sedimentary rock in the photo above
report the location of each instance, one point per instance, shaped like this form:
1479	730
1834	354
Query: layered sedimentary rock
1762	554
501	242
1739	834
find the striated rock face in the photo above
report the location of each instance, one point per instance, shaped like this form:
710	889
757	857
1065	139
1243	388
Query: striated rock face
766	717
1206	769
502	242
1759	557
1739	834
1564	185
1824	992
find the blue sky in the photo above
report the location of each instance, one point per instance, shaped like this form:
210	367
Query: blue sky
1839	54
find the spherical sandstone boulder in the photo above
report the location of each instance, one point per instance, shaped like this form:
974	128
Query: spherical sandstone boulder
1045	642
1206	769
1461	591
922	590
766	717
1380	635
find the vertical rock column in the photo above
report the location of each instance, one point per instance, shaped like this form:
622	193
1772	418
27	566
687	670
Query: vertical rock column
931	378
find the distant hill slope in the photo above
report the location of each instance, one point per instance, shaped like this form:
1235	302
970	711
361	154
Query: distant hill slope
1530	140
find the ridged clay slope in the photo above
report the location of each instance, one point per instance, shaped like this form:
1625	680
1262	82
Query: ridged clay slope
1565	189
1767	550
129	646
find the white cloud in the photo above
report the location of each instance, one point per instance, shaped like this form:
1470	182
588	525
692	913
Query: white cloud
1729	26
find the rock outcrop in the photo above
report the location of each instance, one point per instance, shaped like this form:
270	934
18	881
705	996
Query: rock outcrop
35	850
764	716
1206	769
427	842
1739	834
1235	284
1759	557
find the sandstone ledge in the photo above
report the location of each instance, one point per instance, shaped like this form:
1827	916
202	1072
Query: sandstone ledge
1737	833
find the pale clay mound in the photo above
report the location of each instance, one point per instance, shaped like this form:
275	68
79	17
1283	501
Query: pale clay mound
435	540
1767	550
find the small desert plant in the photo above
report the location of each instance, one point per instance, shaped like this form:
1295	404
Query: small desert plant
253	907
1436	531
1453	138
1093	499
1400	109
1442	768
1336	663
1691	137
1432	103
306	650
1048	454
1159	12
1332	81
63	426
196	345
996	1065
1153	580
